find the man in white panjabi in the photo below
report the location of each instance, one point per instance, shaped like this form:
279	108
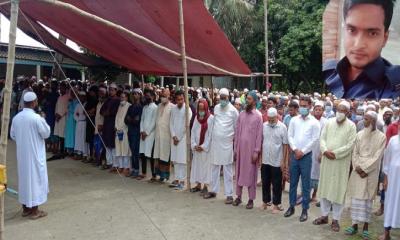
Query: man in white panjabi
162	145
200	144
363	183
61	113
122	151
221	151
179	144
147	134
391	169
30	130
81	147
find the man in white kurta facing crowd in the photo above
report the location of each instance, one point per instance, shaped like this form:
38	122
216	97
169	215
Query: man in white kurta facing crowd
30	130
179	144
221	151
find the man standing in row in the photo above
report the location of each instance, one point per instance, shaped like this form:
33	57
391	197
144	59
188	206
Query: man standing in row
367	155
303	133
337	141
221	152
247	147
179	140
162	145
30	130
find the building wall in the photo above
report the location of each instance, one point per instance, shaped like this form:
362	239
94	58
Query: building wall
331	30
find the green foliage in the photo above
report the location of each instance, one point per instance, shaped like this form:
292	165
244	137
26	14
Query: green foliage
294	40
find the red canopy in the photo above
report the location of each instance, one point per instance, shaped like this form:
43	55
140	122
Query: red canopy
156	20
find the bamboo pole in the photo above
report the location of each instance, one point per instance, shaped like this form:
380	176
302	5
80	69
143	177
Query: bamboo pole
185	83
7	99
266	45
119	28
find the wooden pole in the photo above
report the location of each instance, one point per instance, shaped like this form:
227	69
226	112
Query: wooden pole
7	99
185	83
266	45
142	82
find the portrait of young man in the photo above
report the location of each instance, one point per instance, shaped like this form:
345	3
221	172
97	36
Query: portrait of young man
363	72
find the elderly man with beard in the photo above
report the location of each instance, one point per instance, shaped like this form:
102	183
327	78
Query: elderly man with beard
336	143
221	151
247	148
366	160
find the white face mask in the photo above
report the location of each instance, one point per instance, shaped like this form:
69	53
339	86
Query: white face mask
164	100
123	103
340	116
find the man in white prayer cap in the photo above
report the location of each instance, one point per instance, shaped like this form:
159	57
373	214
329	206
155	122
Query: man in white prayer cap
221	151
30	130
366	161
275	157
336	144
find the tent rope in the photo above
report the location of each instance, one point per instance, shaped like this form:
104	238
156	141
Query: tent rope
87	116
139	37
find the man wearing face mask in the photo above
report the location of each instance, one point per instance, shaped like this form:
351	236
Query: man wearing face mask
275	152
162	145
337	141
247	148
221	151
303	133
366	161
147	127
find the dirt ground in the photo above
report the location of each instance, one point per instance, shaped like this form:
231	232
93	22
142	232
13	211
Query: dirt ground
87	203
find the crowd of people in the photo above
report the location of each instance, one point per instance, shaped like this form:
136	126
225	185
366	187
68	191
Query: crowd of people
342	151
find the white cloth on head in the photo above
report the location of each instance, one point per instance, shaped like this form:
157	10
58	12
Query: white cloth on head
228	179
30	130
30	97
224	91
272	112
345	104
326	207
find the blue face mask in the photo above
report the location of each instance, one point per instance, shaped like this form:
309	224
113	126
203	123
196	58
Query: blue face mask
223	103
328	109
304	111
202	114
359	117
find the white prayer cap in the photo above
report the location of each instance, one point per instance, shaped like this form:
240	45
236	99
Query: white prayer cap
30	97
296	101
82	93
246	90
371	106
224	91
372	114
386	109
113	85
345	104
320	104
235	90
237	100
264	98
272	112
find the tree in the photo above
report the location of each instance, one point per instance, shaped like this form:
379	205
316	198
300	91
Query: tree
294	40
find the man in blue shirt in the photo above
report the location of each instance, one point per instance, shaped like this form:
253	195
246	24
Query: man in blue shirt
363	73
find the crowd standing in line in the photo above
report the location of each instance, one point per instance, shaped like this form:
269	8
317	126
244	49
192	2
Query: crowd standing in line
343	151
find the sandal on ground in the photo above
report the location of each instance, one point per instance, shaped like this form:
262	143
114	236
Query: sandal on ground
26	214
237	202
40	214
365	235
277	209
320	221
335	226
195	189
350	231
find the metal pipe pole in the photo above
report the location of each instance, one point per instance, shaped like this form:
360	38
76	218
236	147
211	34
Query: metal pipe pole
266	44
185	83
7	98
